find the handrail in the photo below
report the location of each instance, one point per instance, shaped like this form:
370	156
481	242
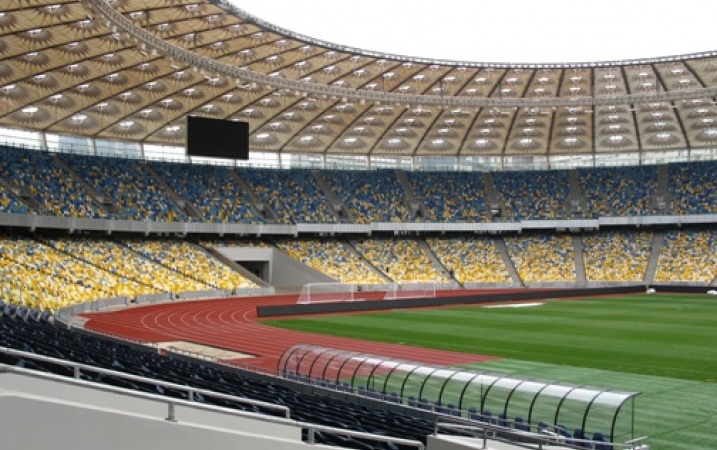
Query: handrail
118	22
191	391
486	430
171	402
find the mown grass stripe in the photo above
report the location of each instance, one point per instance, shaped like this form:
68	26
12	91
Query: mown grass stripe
664	346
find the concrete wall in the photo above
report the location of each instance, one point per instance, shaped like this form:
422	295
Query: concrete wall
444	442
38	413
283	271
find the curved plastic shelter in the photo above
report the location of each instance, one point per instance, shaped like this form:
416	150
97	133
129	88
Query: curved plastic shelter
501	399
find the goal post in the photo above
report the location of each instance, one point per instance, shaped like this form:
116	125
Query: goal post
326	293
411	290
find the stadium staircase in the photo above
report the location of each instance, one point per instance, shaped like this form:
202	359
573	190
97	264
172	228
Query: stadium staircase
578	207
103	200
417	207
347	245
496	208
338	207
500	245
263	210
578	247
182	203
434	259
658	239
661	199
22	195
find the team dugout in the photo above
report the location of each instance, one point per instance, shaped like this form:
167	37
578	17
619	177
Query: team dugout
576	412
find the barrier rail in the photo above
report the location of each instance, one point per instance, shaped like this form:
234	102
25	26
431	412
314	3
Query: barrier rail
172	402
548	437
190	391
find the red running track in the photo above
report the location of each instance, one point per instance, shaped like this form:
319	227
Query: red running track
231	324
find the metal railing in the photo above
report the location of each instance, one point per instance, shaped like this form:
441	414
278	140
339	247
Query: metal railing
172	403
191	392
535	440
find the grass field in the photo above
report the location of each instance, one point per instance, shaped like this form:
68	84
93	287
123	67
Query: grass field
664	346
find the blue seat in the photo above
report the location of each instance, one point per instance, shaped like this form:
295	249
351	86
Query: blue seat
562	430
600	442
543	427
488	417
579	435
503	420
519	424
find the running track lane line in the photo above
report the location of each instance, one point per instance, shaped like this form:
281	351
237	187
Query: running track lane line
231	324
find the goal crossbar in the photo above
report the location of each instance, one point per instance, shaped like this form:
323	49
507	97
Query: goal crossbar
326	293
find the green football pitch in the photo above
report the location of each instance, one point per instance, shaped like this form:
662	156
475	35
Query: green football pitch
663	346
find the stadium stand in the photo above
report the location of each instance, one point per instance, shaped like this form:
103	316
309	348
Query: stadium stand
692	187
43	181
333	258
54	278
190	261
616	255
37	182
618	192
371	196
534	195
117	258
472	259
401	260
131	188
688	256
211	190
451	196
10	204
542	257
294	195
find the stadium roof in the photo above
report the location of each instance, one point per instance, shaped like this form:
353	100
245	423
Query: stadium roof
134	69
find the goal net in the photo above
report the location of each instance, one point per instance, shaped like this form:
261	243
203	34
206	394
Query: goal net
326	293
411	290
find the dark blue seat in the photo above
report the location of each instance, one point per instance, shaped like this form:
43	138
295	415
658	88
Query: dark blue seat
579	435
562	430
503	420
9	309
600	441
425	404
543	427
519	424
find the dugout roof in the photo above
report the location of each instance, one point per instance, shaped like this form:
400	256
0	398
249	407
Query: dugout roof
574	407
134	69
